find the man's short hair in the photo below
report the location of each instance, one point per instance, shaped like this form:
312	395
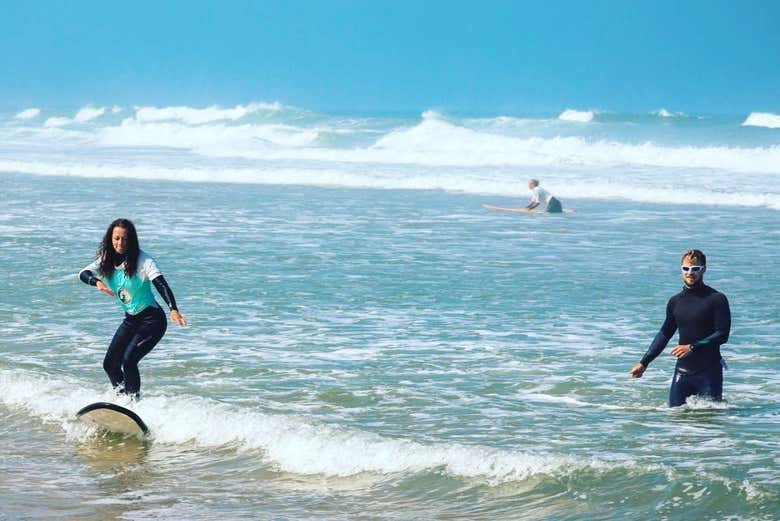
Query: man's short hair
534	182
695	256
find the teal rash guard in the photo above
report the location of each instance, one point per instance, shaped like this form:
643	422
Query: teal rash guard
133	293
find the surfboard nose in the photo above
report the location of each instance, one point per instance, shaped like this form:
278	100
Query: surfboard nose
113	418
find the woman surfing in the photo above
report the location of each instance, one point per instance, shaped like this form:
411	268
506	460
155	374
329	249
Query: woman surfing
124	271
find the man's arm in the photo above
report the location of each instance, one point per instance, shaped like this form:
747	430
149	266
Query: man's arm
659	342
720	336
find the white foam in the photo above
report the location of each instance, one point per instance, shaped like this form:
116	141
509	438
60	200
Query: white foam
435	141
570	401
663	113
289	443
349	354
702	403
215	139
194	116
432	114
116	109
439	143
762	119
88	113
28	114
576	115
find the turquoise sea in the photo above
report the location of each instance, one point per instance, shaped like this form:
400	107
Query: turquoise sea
365	340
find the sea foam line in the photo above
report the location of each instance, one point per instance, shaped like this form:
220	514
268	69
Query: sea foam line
567	185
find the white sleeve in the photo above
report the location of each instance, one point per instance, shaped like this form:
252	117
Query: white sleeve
94	267
147	267
535	195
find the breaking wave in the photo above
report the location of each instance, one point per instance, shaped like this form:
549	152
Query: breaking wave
289	443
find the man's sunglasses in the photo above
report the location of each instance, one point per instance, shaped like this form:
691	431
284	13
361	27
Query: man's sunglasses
692	269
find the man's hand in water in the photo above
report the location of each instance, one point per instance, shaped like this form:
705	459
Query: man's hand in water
637	371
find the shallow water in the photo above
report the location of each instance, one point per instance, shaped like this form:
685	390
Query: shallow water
383	354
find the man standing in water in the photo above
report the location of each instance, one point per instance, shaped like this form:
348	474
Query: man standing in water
703	317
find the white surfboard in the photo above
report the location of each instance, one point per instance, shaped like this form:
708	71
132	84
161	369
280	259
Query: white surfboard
113	418
522	210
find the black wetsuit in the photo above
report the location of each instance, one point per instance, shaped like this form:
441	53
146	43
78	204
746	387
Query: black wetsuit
554	206
703	317
135	337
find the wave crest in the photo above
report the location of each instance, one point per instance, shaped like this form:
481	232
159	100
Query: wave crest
57	121
762	119
27	114
663	113
88	113
577	116
194	116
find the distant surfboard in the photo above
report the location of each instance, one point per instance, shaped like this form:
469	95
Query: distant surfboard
113	418
522	210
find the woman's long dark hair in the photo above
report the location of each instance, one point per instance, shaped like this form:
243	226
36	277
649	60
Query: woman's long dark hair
108	256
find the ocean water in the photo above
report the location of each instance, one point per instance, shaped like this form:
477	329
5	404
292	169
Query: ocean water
366	341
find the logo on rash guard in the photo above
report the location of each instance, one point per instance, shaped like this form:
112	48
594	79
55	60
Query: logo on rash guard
124	296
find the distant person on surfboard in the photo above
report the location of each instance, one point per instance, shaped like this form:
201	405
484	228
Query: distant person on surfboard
541	196
124	271
703	318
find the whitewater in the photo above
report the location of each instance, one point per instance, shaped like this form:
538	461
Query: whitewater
664	157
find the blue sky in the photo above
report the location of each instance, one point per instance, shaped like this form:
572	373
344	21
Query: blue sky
492	57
